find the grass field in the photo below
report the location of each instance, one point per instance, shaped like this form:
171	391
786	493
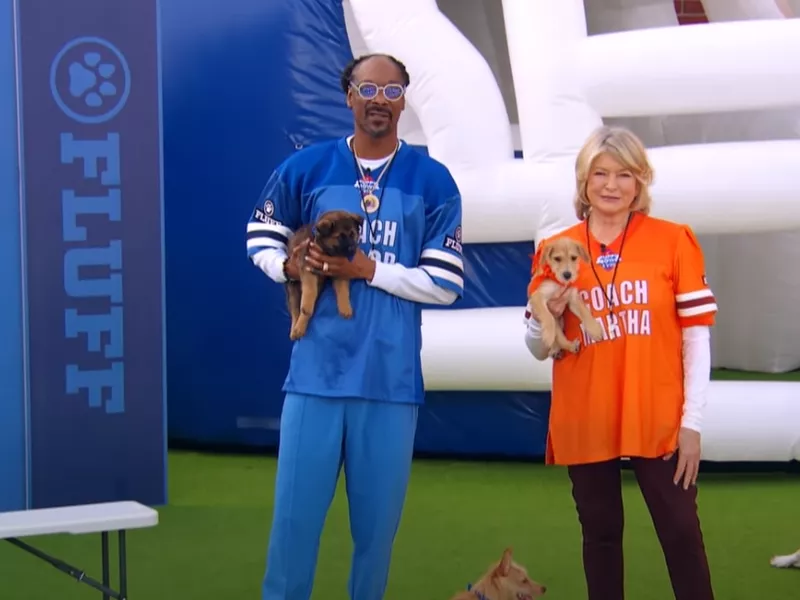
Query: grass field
211	542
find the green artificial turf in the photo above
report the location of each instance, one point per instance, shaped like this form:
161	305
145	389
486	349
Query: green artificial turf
211	542
733	375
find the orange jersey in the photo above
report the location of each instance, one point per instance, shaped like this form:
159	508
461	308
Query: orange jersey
623	396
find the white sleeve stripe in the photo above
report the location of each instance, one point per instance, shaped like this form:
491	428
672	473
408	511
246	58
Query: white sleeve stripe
705	293
438	273
254	226
265	242
693	311
443	256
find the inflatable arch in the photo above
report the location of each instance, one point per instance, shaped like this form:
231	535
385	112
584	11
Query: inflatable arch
565	83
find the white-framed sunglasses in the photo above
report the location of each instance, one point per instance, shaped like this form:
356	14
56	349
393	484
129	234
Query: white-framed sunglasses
369	91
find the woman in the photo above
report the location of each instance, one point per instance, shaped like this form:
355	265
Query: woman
638	393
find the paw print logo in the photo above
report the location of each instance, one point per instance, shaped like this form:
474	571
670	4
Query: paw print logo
90	80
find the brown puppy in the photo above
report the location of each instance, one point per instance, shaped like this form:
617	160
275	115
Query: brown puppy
337	233
559	268
505	580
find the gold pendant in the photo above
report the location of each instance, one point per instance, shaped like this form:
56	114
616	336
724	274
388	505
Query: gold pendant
370	203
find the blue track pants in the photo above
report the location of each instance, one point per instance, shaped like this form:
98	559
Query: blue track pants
375	442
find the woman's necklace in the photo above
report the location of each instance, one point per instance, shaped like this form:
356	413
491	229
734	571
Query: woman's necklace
607	293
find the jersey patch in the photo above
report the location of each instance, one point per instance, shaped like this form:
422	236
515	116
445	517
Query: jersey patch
269	208
608	261
366	185
261	216
454	243
705	280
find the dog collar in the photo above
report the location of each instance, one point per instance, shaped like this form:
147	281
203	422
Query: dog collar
547	273
479	595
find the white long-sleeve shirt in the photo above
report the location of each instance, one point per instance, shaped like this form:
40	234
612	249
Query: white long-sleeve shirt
696	368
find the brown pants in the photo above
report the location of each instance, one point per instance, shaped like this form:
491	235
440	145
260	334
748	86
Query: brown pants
597	490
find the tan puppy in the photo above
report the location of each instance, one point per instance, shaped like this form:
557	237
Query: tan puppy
505	580
558	269
337	233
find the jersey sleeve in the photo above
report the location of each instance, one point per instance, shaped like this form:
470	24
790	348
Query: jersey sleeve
442	253
694	300
276	215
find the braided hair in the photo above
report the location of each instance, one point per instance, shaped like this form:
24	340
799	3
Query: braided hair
347	73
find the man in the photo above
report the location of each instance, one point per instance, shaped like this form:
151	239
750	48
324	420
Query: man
354	386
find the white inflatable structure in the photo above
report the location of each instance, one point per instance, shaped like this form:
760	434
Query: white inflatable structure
669	84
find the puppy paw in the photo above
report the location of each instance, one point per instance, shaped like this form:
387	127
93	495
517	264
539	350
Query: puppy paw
297	332
784	562
555	353
346	312
574	346
595	330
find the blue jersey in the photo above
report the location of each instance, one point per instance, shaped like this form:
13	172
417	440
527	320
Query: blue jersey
375	355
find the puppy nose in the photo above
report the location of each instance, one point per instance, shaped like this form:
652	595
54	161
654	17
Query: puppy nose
544	589
567	275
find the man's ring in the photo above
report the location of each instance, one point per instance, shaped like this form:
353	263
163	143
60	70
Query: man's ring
324	267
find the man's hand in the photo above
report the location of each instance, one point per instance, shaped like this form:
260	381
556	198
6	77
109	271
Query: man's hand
360	267
689	450
292	267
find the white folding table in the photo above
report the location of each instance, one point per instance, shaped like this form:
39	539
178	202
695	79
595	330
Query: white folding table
77	520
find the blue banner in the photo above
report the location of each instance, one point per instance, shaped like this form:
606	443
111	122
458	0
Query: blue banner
94	250
12	398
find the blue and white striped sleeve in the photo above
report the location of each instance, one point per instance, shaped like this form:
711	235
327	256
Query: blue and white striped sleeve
441	255
275	216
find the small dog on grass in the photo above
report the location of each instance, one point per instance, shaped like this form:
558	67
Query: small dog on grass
337	233
559	269
786	561
505	580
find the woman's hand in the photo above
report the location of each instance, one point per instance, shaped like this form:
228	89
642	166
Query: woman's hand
689	450
360	267
558	302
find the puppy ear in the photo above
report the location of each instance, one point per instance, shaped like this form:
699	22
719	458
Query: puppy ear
324	227
547	251
504	568
544	258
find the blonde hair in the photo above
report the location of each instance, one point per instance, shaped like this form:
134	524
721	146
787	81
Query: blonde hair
622	145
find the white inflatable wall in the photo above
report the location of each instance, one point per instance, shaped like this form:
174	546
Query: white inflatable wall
565	83
772	331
